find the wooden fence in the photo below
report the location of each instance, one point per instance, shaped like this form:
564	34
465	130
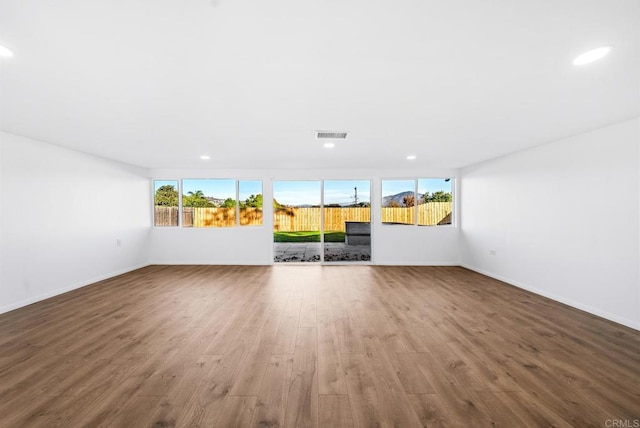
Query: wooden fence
207	217
429	214
302	219
165	216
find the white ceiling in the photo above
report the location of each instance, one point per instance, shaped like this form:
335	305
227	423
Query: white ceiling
157	83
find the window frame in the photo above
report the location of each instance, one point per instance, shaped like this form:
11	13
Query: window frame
180	188
415	223
453	201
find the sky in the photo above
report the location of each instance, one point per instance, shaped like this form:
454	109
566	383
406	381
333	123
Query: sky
297	192
221	189
212	188
247	188
308	192
393	187
342	191
434	184
159	183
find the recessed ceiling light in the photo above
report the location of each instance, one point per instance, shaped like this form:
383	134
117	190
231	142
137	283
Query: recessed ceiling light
329	145
6	52
411	157
205	157
592	55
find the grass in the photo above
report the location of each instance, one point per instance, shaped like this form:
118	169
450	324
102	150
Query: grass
307	236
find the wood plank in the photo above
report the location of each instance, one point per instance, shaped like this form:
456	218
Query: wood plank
237	411
136	412
334	412
308	313
330	370
272	400
286	336
256	362
394	404
302	400
430	410
312	346
409	374
363	396
180	404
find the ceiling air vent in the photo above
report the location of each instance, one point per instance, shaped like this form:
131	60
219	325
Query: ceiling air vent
323	135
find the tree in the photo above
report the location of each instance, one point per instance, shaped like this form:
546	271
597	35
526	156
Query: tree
277	205
253	201
279	208
409	200
166	196
196	199
439	196
229	203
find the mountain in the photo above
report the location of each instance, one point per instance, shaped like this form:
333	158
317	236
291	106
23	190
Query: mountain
398	199
215	201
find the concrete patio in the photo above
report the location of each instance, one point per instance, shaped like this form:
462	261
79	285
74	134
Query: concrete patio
291	252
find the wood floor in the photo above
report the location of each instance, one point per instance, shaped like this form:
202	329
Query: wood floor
298	346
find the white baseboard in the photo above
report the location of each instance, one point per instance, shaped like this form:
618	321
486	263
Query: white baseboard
594	311
43	296
383	263
207	263
269	263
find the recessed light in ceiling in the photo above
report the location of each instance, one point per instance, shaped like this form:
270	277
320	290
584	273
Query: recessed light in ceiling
411	157
5	52
329	145
205	157
592	55
323	135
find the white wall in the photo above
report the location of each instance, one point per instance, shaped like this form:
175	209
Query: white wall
391	244
562	219
62	213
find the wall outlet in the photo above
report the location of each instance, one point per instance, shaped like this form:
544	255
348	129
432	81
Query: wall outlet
492	252
118	242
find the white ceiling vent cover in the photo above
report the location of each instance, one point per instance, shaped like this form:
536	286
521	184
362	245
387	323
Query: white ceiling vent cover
323	135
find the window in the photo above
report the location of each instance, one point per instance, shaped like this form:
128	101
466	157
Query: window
398	201
250	202
435	201
431	205
165	203
208	203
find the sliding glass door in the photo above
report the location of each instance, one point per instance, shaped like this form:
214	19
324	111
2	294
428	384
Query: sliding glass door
316	221
297	217
347	220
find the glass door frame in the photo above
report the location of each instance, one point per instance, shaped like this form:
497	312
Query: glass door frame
322	223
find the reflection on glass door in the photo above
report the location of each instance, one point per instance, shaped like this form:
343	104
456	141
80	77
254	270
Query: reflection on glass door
296	221
347	220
